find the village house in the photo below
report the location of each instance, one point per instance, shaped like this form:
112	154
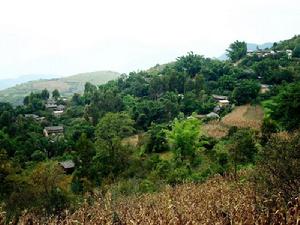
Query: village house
60	108
223	103
50	106
267	52
219	97
212	115
54	130
289	53
68	166
58	113
34	116
222	100
264	88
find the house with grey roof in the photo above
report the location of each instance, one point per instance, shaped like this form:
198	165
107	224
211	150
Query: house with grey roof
53	130
68	166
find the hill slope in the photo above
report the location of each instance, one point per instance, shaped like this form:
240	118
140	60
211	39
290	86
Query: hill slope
66	85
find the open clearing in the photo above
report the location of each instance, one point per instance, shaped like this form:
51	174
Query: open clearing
241	116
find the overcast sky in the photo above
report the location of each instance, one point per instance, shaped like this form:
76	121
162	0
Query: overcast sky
64	37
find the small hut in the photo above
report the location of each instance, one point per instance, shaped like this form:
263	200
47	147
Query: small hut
68	166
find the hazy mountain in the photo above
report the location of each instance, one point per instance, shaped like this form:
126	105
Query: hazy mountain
252	47
6	83
66	85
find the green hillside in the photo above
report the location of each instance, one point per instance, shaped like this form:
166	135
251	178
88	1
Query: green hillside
66	85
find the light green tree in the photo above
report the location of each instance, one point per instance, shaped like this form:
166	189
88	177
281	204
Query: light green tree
237	50
184	138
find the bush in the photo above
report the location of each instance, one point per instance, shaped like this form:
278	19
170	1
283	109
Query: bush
278	168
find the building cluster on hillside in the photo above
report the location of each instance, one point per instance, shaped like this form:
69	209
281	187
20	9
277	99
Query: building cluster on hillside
35	117
222	102
58	110
268	52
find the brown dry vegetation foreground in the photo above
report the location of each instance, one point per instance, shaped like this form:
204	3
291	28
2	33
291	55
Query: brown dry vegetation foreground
218	201
241	116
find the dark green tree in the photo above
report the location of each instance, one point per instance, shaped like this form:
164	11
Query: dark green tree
191	64
55	94
45	94
246	91
157	139
111	157
242	149
287	107
296	51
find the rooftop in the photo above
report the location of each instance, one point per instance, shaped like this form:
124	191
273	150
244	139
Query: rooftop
68	164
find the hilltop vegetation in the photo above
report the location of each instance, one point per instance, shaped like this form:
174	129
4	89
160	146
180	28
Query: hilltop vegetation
140	145
66	85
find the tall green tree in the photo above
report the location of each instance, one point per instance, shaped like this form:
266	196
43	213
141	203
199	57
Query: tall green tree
242	149
55	94
45	94
246	91
296	51
111	156
237	50
191	64
287	107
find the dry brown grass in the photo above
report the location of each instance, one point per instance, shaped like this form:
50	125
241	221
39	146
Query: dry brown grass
218	201
215	129
133	140
245	116
242	116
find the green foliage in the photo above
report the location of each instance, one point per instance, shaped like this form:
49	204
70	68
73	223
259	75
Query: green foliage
114	125
111	157
156	139
246	91
287	107
191	64
55	94
45	94
40	190
242	149
237	50
184	138
102	101
296	51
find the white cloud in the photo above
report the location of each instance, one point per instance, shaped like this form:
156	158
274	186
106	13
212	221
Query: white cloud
69	36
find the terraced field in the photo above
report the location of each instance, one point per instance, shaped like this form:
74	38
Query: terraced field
241	116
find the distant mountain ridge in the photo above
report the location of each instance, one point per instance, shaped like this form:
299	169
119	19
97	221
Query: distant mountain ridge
67	86
252	47
10	82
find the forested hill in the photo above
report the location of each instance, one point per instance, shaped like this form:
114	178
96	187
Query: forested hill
218	141
66	85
